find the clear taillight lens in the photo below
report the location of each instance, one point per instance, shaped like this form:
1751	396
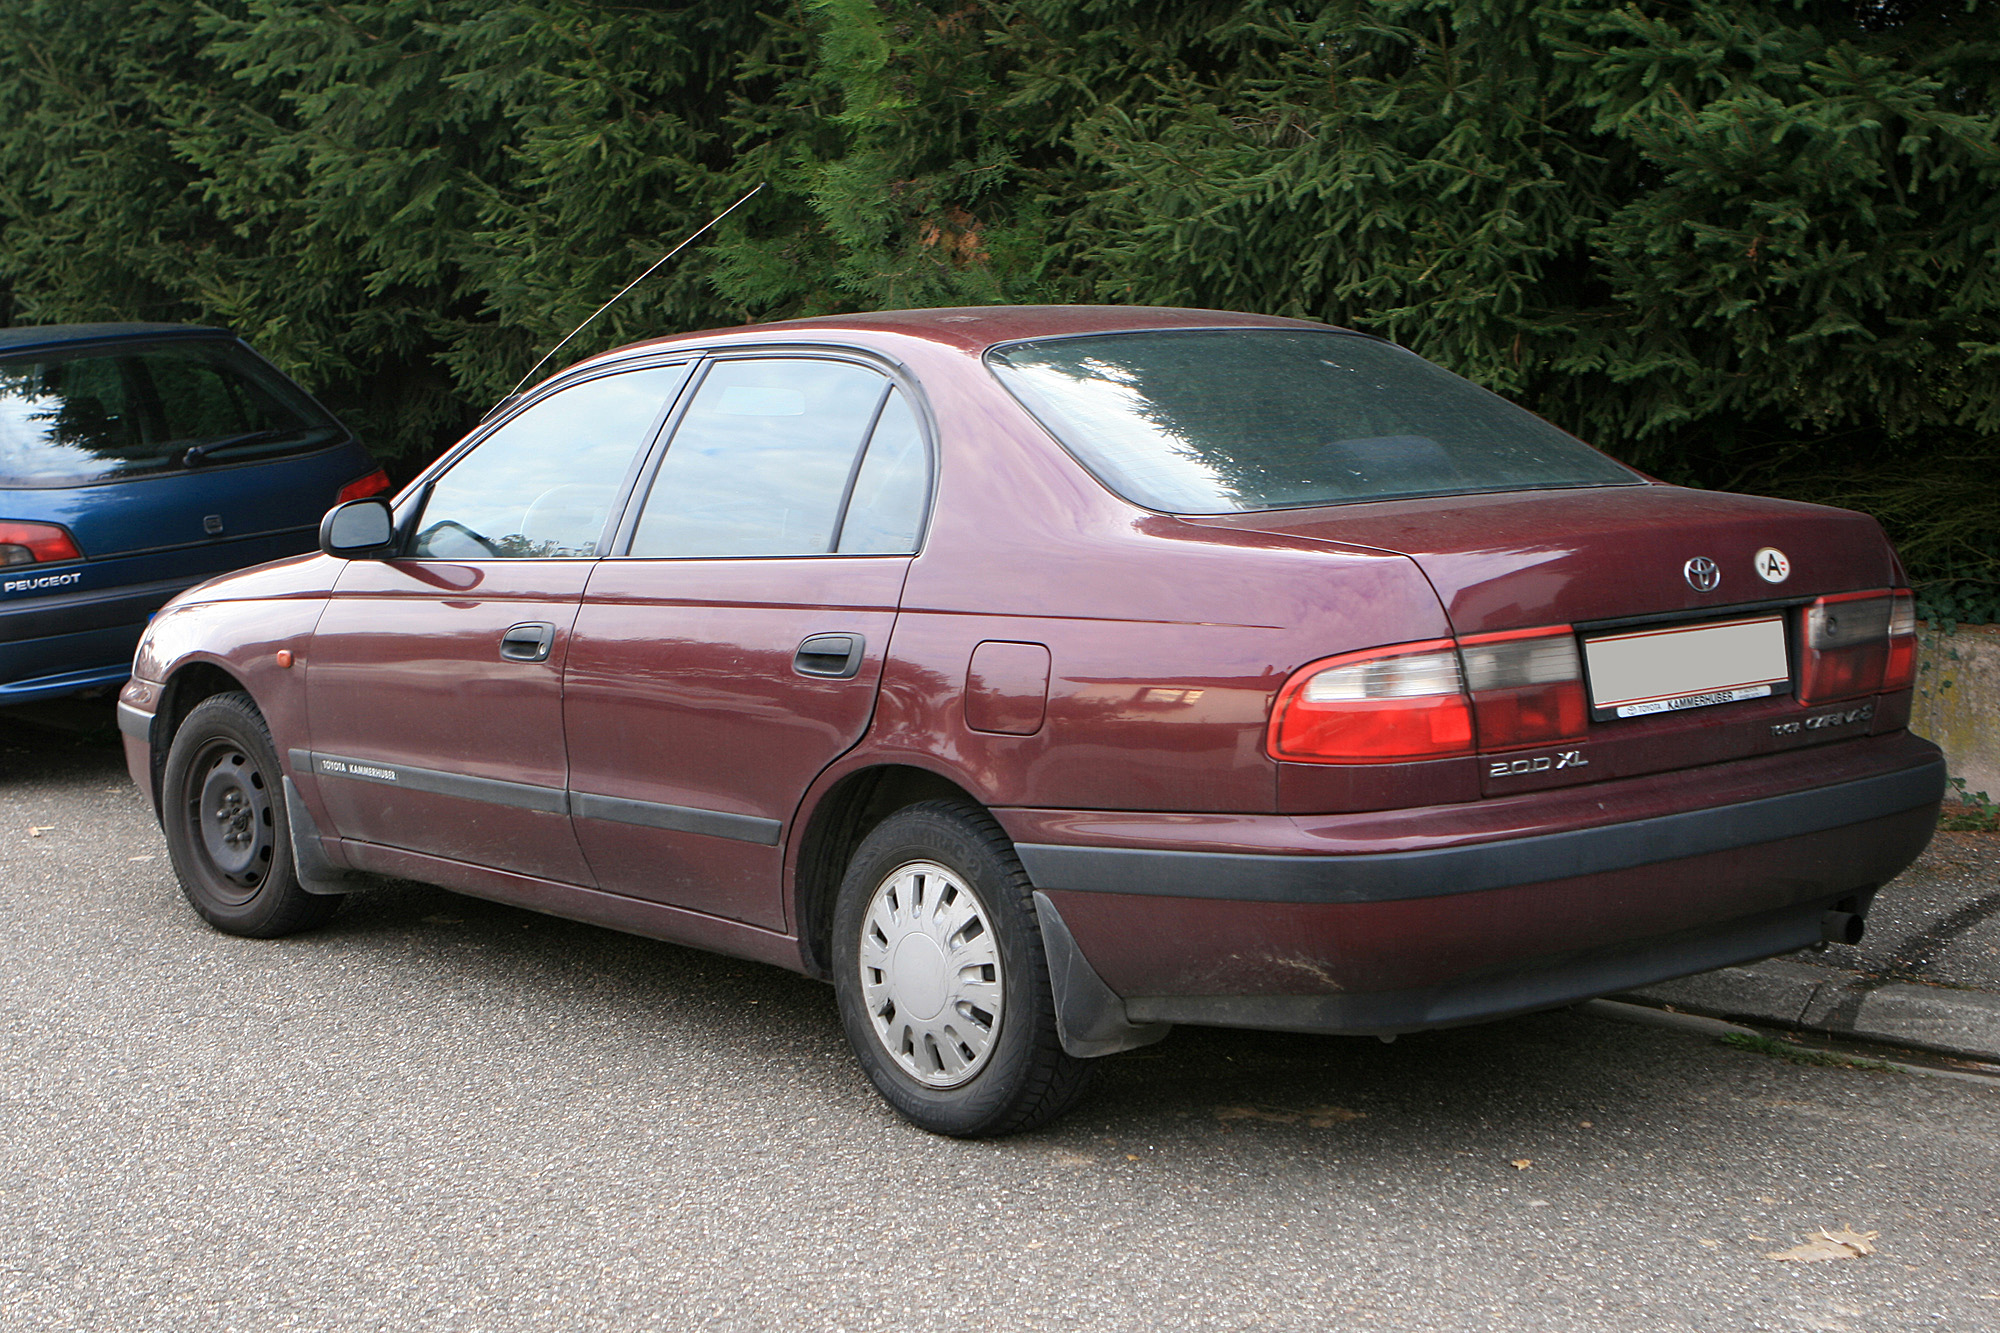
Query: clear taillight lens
35	543
1386	705
1858	643
1527	687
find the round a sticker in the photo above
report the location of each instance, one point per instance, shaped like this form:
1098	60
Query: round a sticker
1772	567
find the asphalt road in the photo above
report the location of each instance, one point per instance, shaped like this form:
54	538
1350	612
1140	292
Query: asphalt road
441	1114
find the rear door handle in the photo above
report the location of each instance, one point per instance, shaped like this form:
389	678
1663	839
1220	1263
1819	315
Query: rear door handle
833	656
528	643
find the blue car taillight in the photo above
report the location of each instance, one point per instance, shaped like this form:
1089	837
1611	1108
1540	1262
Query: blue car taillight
35	543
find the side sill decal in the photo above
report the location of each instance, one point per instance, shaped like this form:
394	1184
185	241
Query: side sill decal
493	791
679	818
548	800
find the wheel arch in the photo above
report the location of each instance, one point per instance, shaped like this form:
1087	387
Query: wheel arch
842	816
186	686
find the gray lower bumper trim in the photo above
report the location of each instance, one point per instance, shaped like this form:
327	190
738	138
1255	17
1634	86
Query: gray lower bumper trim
1542	983
1473	868
133	723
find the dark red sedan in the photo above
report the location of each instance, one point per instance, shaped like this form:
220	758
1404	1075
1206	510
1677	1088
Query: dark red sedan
1047	677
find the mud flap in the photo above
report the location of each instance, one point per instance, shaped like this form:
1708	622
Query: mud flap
309	862
1090	1018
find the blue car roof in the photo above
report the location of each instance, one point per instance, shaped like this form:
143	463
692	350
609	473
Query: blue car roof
57	335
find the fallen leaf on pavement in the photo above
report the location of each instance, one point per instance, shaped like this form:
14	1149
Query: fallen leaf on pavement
1846	1243
1229	1113
1326	1117
1523	1163
1315	1117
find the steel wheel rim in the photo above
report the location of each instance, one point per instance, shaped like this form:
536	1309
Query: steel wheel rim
230	810
930	974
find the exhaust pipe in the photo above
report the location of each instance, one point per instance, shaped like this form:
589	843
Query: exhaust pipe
1842	927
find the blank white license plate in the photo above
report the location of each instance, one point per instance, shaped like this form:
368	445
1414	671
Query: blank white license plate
1642	672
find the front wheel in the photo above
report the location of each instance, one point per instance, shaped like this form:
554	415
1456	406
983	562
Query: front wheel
222	804
942	983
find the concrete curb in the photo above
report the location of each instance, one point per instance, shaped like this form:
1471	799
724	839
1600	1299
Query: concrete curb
1806	997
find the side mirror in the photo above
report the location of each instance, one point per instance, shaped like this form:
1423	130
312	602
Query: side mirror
358	530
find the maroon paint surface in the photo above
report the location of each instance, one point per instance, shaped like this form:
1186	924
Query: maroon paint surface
681	691
405	669
1098	674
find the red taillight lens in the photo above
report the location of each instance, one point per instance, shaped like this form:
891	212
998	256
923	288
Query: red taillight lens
361	488
1386	705
35	543
1858	643
1527	687
1901	673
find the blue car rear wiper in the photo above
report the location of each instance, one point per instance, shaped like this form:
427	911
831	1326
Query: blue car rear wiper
198	454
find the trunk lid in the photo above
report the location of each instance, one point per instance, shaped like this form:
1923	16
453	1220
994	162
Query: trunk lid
1529	558
1612	558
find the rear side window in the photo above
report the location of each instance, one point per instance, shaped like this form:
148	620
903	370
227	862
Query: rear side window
1208	421
132	409
541	486
769	460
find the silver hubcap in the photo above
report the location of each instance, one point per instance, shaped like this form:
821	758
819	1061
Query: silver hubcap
930	974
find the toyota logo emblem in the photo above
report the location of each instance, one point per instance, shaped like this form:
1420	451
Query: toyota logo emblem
1702	574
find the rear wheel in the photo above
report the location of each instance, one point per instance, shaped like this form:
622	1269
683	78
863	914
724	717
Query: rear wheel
223	809
943	987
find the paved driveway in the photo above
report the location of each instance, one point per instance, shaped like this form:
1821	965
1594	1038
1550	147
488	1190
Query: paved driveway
442	1114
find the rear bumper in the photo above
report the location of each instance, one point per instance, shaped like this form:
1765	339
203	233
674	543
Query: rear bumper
59	644
1446	915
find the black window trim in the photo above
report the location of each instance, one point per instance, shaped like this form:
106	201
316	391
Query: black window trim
899	378
416	498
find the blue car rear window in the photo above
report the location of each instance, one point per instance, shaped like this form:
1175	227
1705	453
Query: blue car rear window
1210	421
122	410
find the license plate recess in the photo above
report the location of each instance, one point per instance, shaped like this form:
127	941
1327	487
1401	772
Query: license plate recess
1671	668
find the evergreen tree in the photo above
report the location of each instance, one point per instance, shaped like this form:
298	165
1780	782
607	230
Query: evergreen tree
1748	244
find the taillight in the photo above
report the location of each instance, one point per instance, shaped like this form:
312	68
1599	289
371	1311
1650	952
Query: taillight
1386	705
1527	687
35	543
1858	643
362	487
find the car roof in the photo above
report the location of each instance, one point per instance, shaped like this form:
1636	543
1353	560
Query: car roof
976	328
59	335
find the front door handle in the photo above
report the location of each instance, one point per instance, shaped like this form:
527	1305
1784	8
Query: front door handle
832	656
528	643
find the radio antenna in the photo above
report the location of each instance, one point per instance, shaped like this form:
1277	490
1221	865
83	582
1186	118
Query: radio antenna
634	283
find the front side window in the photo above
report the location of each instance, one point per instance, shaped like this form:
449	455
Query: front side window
769	461
542	484
135	409
1211	421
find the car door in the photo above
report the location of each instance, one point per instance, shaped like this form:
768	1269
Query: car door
434	683
733	649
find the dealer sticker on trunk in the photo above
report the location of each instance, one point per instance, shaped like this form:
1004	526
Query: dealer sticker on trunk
1644	672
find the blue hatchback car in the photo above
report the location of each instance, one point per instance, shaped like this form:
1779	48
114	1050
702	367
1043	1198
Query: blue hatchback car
137	460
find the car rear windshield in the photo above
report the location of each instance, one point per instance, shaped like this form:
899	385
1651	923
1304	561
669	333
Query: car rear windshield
110	412
1206	421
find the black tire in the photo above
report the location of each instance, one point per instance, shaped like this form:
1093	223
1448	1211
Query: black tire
222	804
1020	1076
